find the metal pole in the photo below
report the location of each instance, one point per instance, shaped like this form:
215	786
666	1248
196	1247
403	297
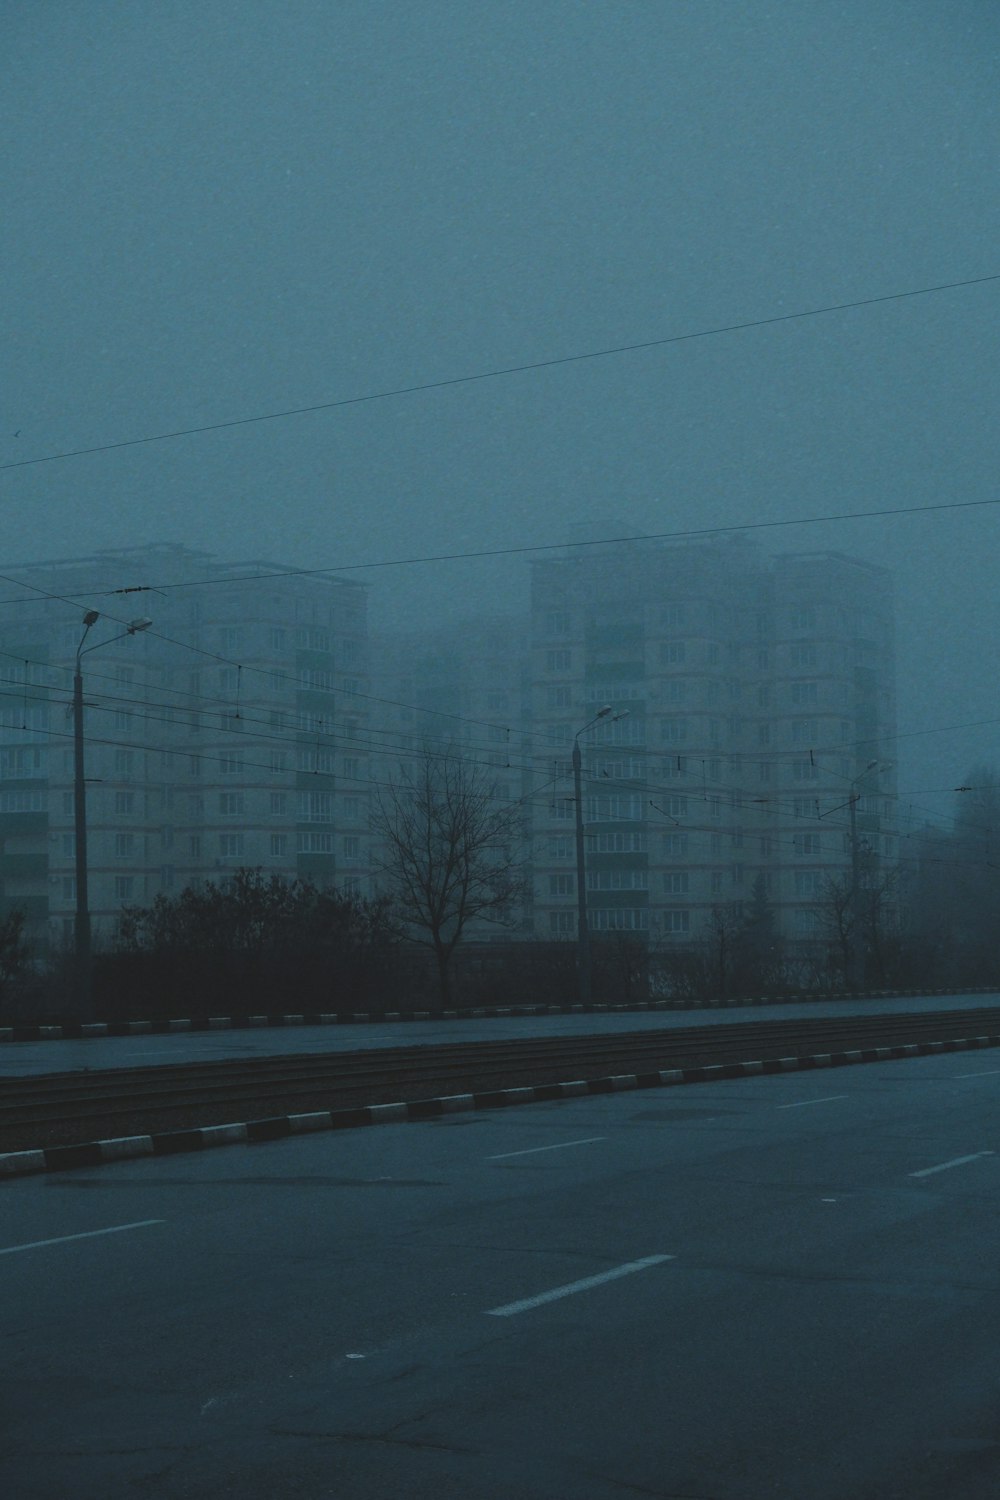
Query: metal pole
856	976
583	934
82	924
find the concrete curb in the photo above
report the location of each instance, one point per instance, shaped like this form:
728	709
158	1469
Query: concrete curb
363	1018
173	1142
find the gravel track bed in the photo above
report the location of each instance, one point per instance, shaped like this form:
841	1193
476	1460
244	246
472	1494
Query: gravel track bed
28	1137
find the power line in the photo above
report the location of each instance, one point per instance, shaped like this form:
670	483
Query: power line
505	370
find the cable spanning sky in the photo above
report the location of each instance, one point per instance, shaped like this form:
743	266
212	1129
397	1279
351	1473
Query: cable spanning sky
219	209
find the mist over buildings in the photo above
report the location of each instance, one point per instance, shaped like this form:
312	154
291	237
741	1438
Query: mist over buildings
219	210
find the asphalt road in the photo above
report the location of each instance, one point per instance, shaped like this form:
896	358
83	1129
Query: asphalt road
23	1059
778	1287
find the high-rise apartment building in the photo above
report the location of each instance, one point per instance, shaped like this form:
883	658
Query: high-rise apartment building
232	732
750	699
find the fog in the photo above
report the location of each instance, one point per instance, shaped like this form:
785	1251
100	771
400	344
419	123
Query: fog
218	210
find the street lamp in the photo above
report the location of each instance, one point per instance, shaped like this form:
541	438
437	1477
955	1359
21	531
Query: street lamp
857	956
82	922
582	930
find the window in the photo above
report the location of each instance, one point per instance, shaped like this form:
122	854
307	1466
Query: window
558	697
675	691
68	887
166	837
561	847
557	622
229	637
352	847
557	661
125	762
13	802
312	639
807	843
671	615
808	882
230	845
315	680
764	695
804	731
562	885
69	845
617	843
562	923
231	804
229	679
805	807
124	887
562	807
316	807
315	843
124	845
676	922
714	655
803	617
715	845
805	692
675	843
124	802
764	770
231	765
736	874
803	654
278	804
279	845
497	702
676	882
196	846
352	767
620	919
617	880
351	885
675	807
350	807
121	719
614	806
716	882
277	762
804	770
167	877
673	731
672	653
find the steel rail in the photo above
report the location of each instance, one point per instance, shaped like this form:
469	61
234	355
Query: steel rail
66	1103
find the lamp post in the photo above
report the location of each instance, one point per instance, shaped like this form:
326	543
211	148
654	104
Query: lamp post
81	929
582	930
857	956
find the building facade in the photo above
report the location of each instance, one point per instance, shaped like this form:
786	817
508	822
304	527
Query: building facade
232	732
745	701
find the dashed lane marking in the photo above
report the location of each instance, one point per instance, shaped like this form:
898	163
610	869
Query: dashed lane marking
958	1161
801	1103
87	1235
527	1303
534	1150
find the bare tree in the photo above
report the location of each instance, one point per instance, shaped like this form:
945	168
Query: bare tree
448	852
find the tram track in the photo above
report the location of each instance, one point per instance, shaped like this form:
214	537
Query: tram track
70	1108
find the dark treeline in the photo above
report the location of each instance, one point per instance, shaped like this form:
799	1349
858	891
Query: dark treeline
258	944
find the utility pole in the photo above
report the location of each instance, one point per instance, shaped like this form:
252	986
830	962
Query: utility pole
81	926
582	930
857	965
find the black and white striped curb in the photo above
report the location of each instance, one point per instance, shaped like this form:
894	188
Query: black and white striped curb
80	1030
173	1142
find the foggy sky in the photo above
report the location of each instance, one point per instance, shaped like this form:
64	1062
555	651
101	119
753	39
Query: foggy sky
218	209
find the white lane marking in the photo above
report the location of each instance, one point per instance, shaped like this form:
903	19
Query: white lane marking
527	1303
533	1150
88	1235
984	1073
959	1161
801	1104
